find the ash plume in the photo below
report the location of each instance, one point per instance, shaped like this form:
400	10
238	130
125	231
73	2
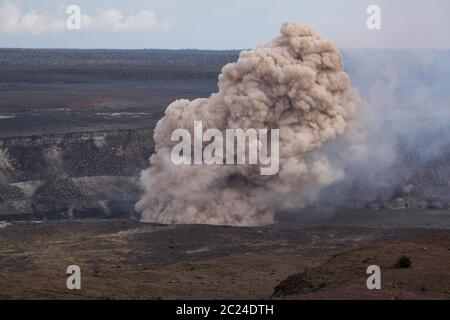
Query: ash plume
295	83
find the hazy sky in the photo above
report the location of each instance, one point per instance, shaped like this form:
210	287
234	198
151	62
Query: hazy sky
225	24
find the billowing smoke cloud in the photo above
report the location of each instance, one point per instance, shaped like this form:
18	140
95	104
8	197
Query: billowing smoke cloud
296	84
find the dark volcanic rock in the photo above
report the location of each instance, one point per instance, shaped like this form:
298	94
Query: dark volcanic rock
59	193
8	192
300	283
80	154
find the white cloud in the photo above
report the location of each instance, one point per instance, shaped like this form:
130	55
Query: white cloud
142	21
9	17
114	20
38	23
13	20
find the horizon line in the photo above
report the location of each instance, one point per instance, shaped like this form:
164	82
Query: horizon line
199	49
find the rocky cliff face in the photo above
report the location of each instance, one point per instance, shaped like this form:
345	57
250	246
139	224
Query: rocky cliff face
95	174
73	174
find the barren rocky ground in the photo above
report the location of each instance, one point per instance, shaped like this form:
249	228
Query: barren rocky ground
123	259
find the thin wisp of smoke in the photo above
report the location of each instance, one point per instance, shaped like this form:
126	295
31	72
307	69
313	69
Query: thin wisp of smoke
5	164
295	83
